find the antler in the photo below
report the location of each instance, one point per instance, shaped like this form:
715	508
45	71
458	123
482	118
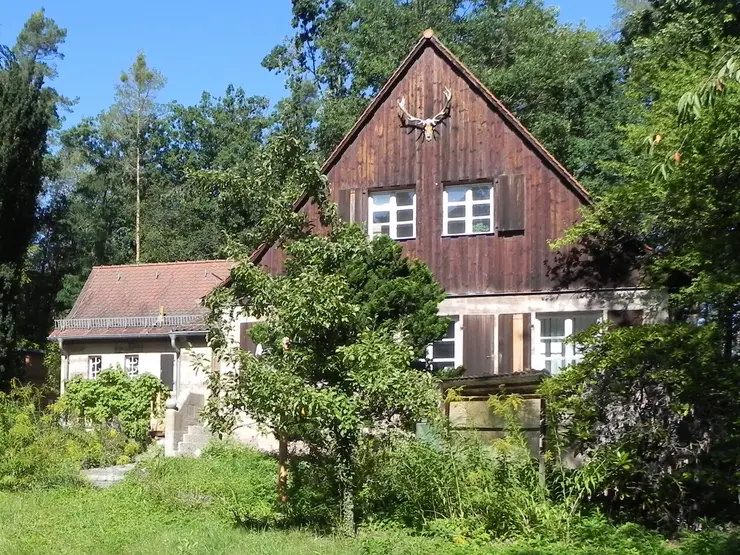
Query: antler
410	120
446	109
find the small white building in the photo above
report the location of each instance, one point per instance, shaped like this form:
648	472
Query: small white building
149	318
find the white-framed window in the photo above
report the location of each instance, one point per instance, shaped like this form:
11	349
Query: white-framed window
392	213
447	352
467	209
94	365
131	365
551	330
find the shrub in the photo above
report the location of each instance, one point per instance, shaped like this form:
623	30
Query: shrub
39	452
234	481
643	403
115	399
458	487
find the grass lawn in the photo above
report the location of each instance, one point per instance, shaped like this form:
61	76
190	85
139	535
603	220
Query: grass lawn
176	506
188	506
110	521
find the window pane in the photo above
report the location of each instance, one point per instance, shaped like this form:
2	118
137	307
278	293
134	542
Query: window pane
381	199
406	198
482	192
584	321
381	217
554	366
385	230
405	216
554	347
456	194
481	210
437	366
456	227
456	211
450	334
444	349
482	226
553	327
405	231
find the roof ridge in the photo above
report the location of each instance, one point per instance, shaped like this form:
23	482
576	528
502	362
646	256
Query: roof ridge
149	264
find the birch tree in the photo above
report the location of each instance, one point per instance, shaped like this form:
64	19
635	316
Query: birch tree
129	123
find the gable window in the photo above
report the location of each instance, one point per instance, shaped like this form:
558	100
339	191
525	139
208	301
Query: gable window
552	329
131	365
468	209
392	214
447	352
94	365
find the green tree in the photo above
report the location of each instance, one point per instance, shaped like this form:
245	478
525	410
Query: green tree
340	331
561	81
24	124
650	395
39	47
129	123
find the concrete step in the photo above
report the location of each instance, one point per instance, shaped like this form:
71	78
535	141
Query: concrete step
195	440
189	449
106	477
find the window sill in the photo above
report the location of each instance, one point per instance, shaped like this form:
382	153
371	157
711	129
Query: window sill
396	240
478	234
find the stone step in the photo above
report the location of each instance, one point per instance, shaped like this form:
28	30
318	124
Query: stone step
106	477
198	442
189	449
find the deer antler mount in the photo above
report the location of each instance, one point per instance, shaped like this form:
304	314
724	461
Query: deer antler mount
427	127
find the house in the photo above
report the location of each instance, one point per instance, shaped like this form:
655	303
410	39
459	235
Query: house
440	165
143	318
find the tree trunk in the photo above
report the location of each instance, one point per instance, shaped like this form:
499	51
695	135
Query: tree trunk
347	517
347	494
282	484
138	204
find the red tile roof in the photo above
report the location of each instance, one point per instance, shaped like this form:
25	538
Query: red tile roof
140	290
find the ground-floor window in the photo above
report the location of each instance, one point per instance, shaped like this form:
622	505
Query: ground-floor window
447	352
551	330
131	365
94	365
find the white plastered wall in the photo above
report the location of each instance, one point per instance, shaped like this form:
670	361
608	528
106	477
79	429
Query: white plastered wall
652	303
113	353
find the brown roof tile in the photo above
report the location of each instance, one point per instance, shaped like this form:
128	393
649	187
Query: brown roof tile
141	289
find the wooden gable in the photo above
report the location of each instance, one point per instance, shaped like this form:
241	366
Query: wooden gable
536	199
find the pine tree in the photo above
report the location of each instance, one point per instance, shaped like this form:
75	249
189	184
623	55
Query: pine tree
24	124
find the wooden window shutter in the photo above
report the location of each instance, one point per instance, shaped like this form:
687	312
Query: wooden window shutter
245	340
478	334
167	370
352	208
344	207
625	318
509	203
514	343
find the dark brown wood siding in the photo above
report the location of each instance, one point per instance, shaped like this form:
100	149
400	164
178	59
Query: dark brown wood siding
475	144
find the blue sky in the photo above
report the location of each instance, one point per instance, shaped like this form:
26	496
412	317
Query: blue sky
197	45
